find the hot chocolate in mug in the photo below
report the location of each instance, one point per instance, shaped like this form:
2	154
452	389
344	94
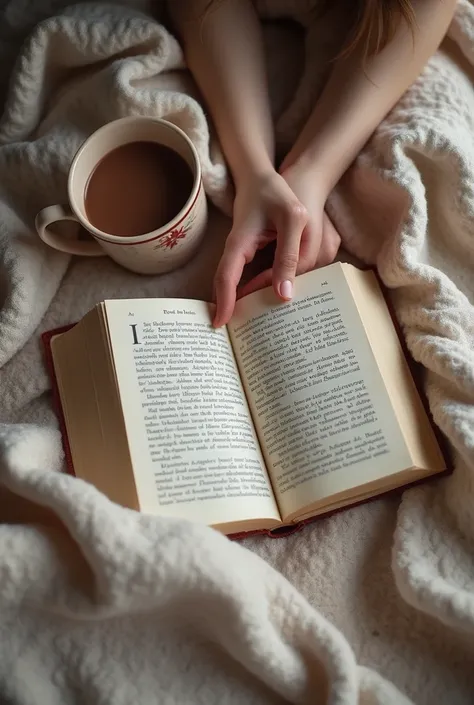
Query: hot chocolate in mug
118	145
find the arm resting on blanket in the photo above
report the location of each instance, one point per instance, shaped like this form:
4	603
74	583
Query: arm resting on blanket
358	96
223	45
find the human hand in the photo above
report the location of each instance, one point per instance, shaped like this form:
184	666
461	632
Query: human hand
320	240
265	209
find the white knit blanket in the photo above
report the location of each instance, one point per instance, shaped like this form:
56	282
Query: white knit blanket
103	605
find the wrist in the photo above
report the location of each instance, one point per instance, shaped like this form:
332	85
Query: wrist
250	166
305	169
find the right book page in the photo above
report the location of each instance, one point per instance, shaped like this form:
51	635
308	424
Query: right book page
320	406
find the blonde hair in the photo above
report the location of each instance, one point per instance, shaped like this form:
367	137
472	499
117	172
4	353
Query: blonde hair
375	23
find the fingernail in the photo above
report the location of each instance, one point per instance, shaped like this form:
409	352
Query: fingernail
286	289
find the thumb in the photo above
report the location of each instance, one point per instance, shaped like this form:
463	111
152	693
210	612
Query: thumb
290	226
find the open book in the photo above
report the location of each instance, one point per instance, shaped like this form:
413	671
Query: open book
293	410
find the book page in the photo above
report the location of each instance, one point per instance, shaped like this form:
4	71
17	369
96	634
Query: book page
194	450
320	406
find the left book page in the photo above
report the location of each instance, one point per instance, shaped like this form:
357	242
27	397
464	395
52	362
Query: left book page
194	449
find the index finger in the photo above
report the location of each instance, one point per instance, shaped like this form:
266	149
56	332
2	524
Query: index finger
228	275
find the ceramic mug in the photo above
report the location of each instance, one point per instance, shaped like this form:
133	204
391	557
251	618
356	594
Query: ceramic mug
155	252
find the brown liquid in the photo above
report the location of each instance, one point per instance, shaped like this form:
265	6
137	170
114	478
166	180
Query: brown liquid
137	188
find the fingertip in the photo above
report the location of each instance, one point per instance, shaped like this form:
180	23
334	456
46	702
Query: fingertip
221	319
224	308
284	290
221	322
218	318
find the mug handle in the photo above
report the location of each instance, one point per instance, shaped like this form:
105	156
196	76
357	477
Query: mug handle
53	214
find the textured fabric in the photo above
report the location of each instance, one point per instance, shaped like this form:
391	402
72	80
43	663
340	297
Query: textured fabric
374	605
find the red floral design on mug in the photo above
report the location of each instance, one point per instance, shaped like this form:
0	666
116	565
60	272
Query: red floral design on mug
171	239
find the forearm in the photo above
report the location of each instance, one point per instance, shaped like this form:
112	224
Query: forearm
357	98
223	47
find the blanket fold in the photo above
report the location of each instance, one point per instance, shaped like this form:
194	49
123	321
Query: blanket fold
100	604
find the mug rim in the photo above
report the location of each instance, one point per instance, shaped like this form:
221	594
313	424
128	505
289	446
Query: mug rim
152	234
